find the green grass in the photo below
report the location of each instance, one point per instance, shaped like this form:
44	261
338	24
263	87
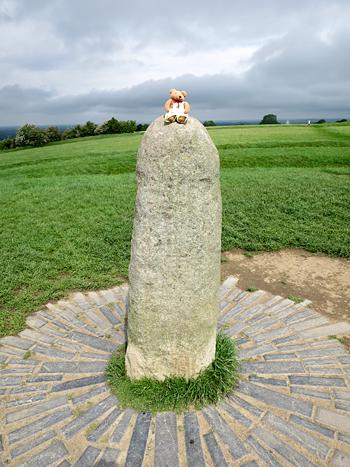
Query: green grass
176	394
66	210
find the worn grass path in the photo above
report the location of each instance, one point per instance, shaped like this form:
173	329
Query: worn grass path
66	209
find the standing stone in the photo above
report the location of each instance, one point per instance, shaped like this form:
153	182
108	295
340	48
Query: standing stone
174	272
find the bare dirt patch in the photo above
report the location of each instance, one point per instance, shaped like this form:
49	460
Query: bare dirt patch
294	273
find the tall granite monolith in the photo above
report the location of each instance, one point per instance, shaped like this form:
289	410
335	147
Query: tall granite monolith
174	272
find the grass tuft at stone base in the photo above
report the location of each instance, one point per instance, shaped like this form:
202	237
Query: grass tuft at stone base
176	394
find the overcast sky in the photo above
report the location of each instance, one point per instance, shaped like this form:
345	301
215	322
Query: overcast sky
67	61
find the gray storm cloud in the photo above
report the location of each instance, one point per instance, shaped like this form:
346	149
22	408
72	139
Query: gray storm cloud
65	62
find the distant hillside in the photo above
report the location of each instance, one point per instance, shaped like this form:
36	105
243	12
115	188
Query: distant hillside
10	131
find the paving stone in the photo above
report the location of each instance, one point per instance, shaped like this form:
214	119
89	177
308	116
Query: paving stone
283	449
270	381
334	419
166	443
23	448
26	400
25	389
230	313
96	356
316	381
29	362
310	326
36	409
276	399
250	464
109	458
53	353
236	415
260	326
122	426
242	341
88	457
120	311
109	315
79	383
266	455
341	459
48	456
341	406
41	424
330	330
310	362
84	419
214	451
17	342
325	371
43	378
272	367
342	395
312	426
269	336
35	322
247	353
227	436
10	381
1	444
138	441
89	395
94	342
37	336
194	452
344	360
298	316
65	463
73	367
280	356
304	439
324	352
283	340
105	424
98	319
311	392
344	438
246	405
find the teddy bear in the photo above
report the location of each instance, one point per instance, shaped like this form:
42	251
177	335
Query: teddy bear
176	108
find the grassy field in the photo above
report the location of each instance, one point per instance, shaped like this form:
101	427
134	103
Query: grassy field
67	209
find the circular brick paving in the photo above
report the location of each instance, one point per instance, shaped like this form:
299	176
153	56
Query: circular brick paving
292	406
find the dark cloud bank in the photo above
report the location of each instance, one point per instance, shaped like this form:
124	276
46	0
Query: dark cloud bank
300	67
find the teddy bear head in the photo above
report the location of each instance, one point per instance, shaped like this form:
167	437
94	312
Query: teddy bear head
178	96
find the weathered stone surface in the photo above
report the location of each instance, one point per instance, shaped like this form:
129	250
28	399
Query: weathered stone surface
174	270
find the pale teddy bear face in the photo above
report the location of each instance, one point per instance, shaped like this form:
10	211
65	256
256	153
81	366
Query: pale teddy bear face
178	96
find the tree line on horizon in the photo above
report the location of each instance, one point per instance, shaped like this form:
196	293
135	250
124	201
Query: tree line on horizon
30	135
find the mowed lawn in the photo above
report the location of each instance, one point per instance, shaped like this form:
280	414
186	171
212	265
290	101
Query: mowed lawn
67	209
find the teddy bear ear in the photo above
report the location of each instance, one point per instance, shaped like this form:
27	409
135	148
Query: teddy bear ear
172	90
184	93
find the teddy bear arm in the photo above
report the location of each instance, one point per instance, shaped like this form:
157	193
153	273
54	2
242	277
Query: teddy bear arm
167	105
187	107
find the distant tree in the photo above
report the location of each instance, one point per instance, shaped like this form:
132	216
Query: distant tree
322	120
88	129
30	135
113	126
342	120
69	133
53	134
209	123
269	119
7	143
142	126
